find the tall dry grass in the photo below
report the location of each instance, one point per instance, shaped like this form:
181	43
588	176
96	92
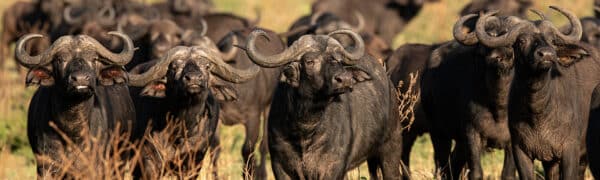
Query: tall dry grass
433	24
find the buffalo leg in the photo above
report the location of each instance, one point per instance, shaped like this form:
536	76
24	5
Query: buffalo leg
508	169
215	152
279	172
407	143
252	136
583	164
458	159
569	164
391	158
474	146
551	170
441	149
373	164
524	164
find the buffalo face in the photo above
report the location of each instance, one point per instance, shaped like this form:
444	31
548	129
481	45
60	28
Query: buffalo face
316	65
189	76
591	31
323	73
188	71
75	64
164	35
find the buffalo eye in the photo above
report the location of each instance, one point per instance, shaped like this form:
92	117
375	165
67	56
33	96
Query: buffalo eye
309	62
177	63
522	41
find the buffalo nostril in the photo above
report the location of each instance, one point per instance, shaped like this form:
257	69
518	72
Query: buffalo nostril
188	78
338	79
540	54
78	78
192	77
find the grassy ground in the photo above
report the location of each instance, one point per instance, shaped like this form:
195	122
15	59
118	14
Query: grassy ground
432	25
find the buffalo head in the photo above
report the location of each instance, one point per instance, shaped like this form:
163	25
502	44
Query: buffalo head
493	38
591	29
194	7
322	23
186	71
316	65
75	64
78	14
539	45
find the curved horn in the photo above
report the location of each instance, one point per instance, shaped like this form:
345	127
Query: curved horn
361	22
315	17
106	16
160	68
204	27
118	59
464	38
504	40
224	70
576	28
258	13
540	14
180	6
44	58
135	32
70	19
294	52
232	53
359	46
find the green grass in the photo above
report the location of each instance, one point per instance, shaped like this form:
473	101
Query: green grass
432	25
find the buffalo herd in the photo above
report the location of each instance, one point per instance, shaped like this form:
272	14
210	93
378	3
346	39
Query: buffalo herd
320	99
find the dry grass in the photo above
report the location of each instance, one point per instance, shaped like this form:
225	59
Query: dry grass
432	25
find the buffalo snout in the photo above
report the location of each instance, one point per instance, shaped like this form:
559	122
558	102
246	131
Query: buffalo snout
194	82
342	82
545	57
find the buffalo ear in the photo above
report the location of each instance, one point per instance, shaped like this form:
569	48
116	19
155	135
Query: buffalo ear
113	75
291	74
155	89
359	74
570	54
39	76
222	91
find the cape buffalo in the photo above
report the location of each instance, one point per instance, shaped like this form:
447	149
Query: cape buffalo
325	23
591	29
385	18
508	7
549	100
335	107
253	103
82	91
407	59
180	91
465	95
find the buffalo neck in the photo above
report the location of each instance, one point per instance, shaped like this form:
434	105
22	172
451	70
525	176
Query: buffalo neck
307	111
72	115
535	90
497	88
189	108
